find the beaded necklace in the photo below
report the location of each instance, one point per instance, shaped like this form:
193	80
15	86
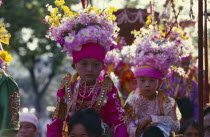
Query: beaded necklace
85	90
83	96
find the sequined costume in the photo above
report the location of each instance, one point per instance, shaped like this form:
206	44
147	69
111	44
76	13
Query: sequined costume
162	109
103	97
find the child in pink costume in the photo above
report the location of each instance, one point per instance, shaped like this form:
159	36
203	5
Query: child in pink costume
86	36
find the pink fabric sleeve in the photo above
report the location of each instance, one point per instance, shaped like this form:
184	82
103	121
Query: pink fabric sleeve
121	131
54	129
113	114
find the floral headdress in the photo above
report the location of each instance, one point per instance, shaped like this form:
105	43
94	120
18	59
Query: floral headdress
72	30
160	47
119	60
5	57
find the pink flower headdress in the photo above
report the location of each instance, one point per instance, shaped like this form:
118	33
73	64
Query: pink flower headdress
159	47
118	61
72	30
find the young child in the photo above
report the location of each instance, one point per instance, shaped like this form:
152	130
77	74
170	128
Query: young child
117	61
148	105
184	90
86	36
151	105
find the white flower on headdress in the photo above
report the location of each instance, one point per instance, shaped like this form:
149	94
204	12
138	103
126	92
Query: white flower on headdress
50	8
141	54
96	32
85	32
69	38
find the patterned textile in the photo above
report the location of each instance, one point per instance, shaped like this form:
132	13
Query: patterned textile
9	104
161	108
103	97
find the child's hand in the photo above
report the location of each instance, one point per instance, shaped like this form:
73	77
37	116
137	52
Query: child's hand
144	122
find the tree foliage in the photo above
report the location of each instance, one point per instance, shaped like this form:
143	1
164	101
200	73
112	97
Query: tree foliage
24	21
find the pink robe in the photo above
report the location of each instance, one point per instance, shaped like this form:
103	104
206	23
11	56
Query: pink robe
109	108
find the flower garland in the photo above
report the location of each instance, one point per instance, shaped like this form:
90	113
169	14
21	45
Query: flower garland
160	46
72	29
5	57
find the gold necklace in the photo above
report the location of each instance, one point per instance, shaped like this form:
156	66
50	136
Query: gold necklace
91	91
93	98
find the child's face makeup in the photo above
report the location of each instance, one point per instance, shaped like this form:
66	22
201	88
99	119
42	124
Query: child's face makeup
89	69
147	85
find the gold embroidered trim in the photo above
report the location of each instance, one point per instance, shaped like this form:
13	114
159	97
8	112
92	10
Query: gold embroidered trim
161	98
65	81
60	111
14	109
129	111
106	87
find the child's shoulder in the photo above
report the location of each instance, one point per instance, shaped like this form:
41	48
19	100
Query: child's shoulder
65	81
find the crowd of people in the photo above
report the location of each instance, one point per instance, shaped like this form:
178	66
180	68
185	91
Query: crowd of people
156	93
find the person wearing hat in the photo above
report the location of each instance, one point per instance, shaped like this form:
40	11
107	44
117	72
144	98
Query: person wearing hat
184	89
117	61
86	36
149	106
28	125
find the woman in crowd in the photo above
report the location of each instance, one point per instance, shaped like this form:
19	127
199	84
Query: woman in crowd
28	125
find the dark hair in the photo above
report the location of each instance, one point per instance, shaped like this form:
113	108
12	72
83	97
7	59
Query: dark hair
90	119
186	107
207	110
187	124
153	131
